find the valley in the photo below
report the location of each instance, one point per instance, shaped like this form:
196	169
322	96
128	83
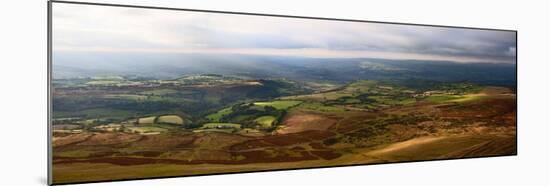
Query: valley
210	123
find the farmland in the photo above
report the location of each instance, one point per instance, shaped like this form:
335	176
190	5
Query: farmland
210	123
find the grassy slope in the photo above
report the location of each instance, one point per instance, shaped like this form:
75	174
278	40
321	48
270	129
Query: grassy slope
215	117
427	148
173	119
265	121
147	120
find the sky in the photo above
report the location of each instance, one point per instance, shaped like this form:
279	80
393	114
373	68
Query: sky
85	28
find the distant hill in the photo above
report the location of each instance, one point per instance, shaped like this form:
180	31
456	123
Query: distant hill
342	70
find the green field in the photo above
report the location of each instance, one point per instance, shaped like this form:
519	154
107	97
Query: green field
265	121
362	85
281	105
170	119
443	98
468	97
316	106
147	120
218	115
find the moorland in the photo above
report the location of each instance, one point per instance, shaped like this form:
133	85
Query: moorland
117	125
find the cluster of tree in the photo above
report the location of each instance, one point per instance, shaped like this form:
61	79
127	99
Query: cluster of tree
363	98
276	88
459	88
66	121
245	114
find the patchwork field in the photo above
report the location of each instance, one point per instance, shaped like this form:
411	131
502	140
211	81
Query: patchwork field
362	122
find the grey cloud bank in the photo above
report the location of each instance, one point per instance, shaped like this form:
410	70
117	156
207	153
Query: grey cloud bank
120	29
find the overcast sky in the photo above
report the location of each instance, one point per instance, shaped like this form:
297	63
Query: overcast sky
119	29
